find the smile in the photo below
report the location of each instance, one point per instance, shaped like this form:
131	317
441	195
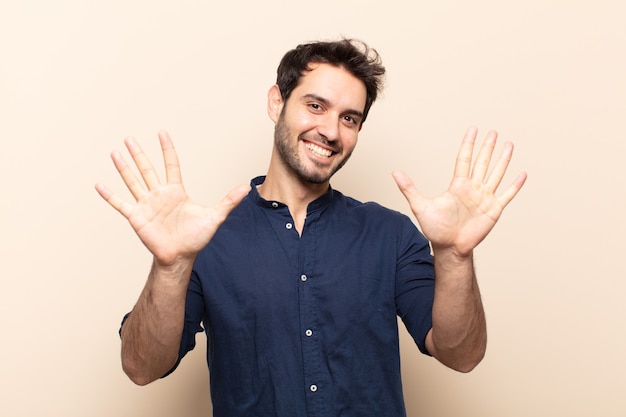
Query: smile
318	150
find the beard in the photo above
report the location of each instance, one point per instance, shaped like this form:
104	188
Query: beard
288	150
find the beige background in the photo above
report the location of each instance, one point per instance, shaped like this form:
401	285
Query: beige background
76	77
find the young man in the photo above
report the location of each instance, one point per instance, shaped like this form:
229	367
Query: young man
298	286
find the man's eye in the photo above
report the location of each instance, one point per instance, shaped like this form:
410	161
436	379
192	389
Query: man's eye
315	106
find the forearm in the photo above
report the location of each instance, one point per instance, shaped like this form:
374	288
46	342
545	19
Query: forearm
152	333
459	335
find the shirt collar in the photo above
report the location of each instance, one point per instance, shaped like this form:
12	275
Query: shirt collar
321	202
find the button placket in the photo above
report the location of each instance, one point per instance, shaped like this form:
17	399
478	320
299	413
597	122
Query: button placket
314	376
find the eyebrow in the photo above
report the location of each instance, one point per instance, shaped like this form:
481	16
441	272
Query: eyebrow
327	103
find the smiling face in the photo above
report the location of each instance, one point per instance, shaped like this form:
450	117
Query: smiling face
317	127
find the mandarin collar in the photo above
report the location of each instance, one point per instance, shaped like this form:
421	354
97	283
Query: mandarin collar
314	205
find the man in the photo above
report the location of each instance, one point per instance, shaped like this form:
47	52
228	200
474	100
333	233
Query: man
298	286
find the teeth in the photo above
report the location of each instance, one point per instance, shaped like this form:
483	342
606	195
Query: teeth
318	151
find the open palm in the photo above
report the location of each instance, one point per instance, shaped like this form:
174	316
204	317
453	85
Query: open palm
462	216
167	221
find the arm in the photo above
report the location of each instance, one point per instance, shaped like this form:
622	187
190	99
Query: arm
458	337
455	223
174	229
151	335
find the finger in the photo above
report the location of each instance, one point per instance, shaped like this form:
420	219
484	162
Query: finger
114	201
464	157
409	190
129	177
142	162
513	189
230	201
170	158
483	160
493	182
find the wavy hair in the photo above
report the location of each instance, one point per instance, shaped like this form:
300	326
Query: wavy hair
352	55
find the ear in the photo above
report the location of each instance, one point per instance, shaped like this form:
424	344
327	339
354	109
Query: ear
274	103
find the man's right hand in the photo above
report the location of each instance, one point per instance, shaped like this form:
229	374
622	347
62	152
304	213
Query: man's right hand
172	226
174	229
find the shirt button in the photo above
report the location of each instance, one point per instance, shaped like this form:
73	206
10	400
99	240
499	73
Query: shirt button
275	204
313	388
289	226
303	277
309	332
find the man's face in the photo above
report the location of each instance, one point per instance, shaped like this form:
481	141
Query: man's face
318	126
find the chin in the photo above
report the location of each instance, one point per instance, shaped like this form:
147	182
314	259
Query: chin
315	179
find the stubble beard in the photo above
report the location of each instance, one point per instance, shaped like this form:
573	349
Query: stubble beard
288	152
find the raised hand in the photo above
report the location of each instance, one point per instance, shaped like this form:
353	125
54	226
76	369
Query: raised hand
462	216
167	221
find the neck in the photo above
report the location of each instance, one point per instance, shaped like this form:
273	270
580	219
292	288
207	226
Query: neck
285	186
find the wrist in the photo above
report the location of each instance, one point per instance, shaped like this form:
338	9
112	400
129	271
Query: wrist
178	270
451	254
453	268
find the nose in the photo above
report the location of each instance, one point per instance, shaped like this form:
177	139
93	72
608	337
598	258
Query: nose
329	127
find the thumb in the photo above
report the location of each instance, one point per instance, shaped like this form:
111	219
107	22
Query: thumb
230	201
406	186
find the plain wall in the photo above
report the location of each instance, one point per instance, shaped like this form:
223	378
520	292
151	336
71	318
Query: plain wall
76	77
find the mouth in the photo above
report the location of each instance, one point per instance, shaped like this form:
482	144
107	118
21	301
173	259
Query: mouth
318	150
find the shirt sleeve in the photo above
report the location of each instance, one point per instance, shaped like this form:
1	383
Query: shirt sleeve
415	283
194	313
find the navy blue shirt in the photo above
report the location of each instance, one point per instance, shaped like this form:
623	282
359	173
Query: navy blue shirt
307	325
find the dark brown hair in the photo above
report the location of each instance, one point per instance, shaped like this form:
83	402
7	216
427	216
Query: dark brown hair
352	55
